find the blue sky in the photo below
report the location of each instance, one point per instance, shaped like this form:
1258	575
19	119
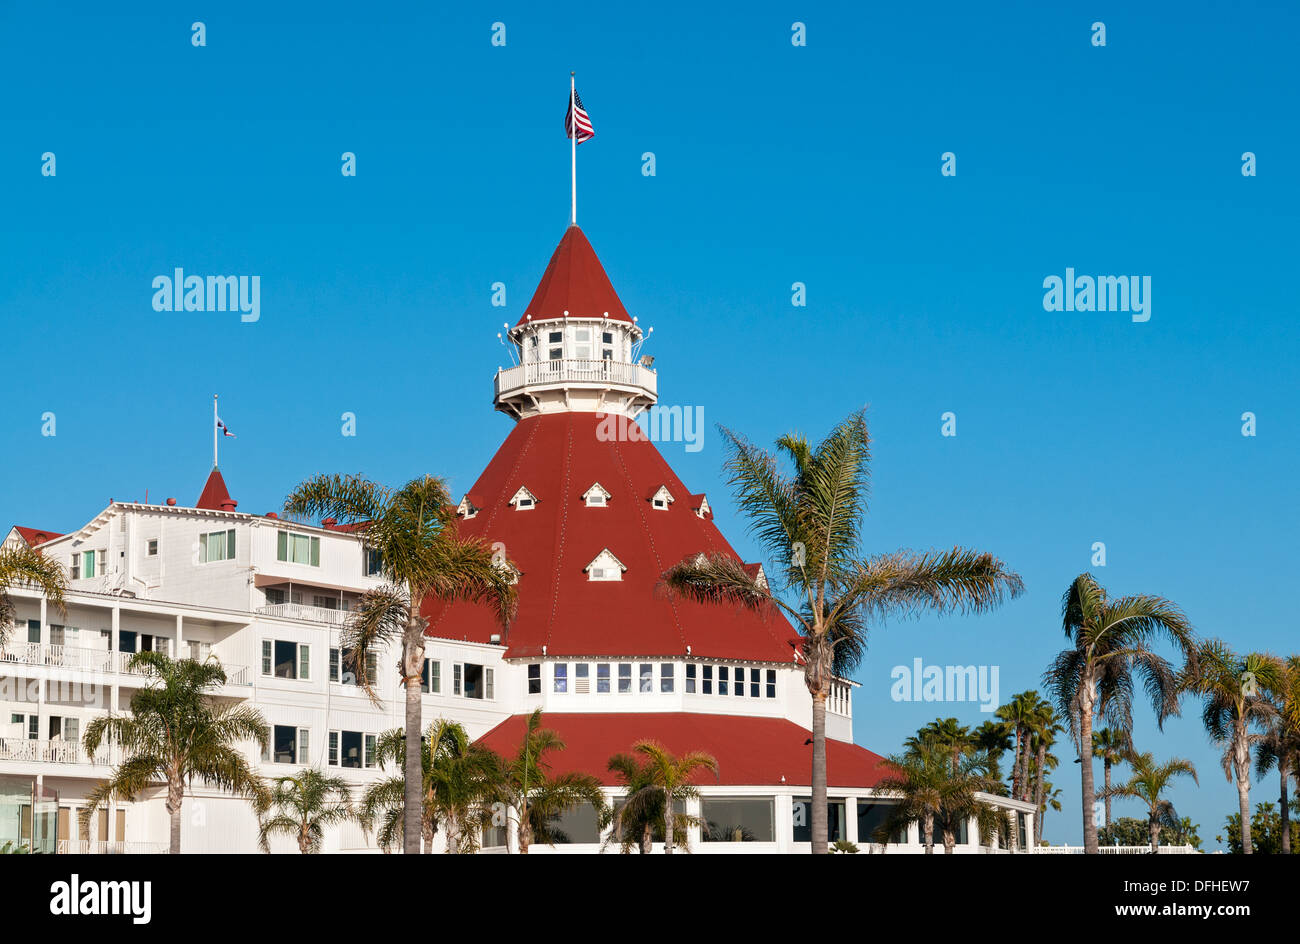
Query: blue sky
775	164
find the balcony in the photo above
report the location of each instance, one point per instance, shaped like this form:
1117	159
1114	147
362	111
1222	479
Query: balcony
301	611
104	847
24	750
595	374
73	658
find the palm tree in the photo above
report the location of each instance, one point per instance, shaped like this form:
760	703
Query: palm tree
1148	784
1280	745
1113	747
665	784
302	806
459	780
539	798
413	532
1237	692
809	523
1041	739
634	822
175	732
1110	642
934	793
946	733
27	567
1019	713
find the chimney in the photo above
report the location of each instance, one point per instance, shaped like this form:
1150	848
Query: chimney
229	504
171	501
272	514
329	523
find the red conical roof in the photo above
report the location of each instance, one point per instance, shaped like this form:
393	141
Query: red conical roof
215	496
574	282
558	457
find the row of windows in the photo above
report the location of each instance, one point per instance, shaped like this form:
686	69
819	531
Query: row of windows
641	677
290	744
290	547
292	660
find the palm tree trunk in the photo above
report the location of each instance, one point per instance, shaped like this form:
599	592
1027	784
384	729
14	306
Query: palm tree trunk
175	796
949	841
927	833
413	772
1154	826
668	823
525	831
1106	778
820	831
1284	764
1024	770
1241	757
1040	787
1085	768
647	839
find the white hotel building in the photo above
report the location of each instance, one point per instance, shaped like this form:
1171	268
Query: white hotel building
590	521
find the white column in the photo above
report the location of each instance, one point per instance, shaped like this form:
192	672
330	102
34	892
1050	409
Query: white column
851	819
180	636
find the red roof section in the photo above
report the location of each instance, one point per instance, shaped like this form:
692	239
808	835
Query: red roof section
574	282
750	751
558	456
35	536
215	496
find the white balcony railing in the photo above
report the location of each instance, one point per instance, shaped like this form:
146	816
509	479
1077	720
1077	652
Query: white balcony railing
73	658
595	373
22	750
104	847
301	611
1117	850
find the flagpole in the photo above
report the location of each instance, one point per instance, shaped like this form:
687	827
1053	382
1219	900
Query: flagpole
214	431
573	146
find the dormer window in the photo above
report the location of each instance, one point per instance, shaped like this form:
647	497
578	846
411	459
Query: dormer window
702	509
466	509
661	499
596	496
605	567
524	500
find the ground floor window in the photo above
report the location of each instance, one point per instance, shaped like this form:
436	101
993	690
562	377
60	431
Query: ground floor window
835	818
738	819
872	816
576	825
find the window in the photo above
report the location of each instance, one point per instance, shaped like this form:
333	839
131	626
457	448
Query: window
607	337
690	679
665	677
555	337
151	548
431	677
535	678
602	678
722	679
274	597
596	496
288	745
605	567
34	631
287	660
217	546
771	683
835	813
755	675
738	819
740	681
344	671
646	677
294	548
561	677
76	567
706	684
322	602
581	678
457	673
624	677
373	561
353	749
872	815
87	563
582	344
523	500
472	681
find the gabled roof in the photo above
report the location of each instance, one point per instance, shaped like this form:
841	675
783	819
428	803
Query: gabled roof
608	555
574	283
560	455
35	536
751	751
215	496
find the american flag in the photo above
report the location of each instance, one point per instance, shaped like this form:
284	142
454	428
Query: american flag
585	131
224	428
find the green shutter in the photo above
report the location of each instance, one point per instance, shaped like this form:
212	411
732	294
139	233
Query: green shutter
266	657
282	546
315	552
230	544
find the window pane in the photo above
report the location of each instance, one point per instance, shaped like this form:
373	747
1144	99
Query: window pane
690	679
647	677
286	659
624	677
737	819
754	682
473	680
334	748
351	749
285	744
602	677
835	813
535	679
282	546
666	677
723	672
561	677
